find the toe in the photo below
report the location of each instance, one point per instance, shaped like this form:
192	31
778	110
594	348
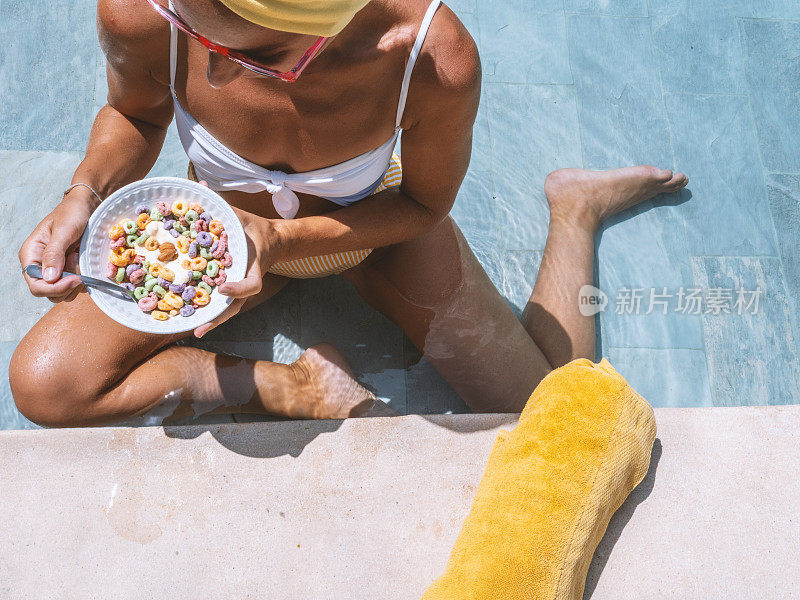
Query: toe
680	180
661	176
676	181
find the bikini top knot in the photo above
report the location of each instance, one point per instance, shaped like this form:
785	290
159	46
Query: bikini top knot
284	200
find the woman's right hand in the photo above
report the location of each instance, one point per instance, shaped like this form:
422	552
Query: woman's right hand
54	245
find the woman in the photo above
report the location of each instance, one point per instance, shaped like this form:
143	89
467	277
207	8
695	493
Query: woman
283	97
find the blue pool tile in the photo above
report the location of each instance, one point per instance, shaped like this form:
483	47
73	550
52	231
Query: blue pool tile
757	9
30	187
621	111
538	7
784	202
641	252
252	350
668	7
481	158
772	65
462	7
534	130
475	207
752	357
47	74
10	417
668	377
715	144
698	50
766	9
388	385
314	311
426	391
333	312
276	316
521	46
617	8
285	349
518	271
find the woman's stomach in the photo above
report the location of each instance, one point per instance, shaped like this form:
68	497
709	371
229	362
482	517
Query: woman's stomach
260	203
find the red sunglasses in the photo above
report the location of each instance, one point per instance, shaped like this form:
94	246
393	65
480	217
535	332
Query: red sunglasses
238	57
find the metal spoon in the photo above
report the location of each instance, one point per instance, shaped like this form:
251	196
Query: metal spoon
35	271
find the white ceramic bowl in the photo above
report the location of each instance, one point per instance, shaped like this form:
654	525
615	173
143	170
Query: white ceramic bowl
95	249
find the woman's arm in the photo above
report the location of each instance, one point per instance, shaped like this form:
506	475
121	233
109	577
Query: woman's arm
129	131
124	142
437	142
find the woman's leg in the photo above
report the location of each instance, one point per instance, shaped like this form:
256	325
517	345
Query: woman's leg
580	201
435	289
78	367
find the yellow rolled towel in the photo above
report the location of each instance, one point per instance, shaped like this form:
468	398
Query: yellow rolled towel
550	488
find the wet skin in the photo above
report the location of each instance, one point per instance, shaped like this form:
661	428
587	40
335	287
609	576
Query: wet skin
447	305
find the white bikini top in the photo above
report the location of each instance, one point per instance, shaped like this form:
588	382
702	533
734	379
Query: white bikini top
344	184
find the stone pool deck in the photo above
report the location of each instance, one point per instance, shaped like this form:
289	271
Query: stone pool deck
369	508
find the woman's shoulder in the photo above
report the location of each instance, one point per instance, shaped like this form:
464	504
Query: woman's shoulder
449	56
448	69
130	30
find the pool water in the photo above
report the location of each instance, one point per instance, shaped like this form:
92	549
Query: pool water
709	90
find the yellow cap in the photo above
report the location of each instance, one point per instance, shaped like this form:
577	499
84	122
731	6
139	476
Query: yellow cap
314	17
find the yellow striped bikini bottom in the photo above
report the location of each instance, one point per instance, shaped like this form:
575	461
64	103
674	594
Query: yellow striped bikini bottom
329	264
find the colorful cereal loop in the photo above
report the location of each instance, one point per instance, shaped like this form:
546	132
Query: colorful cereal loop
173	300
148	303
201	297
142	220
121	257
179	207
216	227
116	232
182	243
167	274
212	269
198	264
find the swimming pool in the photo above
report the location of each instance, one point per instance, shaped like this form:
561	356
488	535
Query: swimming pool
565	83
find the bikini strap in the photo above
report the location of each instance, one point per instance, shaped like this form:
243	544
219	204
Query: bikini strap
412	59
173	52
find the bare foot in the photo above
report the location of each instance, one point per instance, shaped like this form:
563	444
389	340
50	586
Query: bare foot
587	198
331	388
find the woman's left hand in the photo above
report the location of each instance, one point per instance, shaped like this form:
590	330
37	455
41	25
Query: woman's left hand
261	239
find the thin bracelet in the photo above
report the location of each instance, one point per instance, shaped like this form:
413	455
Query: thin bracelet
96	195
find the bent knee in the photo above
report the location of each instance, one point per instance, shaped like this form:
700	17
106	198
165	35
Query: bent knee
45	389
